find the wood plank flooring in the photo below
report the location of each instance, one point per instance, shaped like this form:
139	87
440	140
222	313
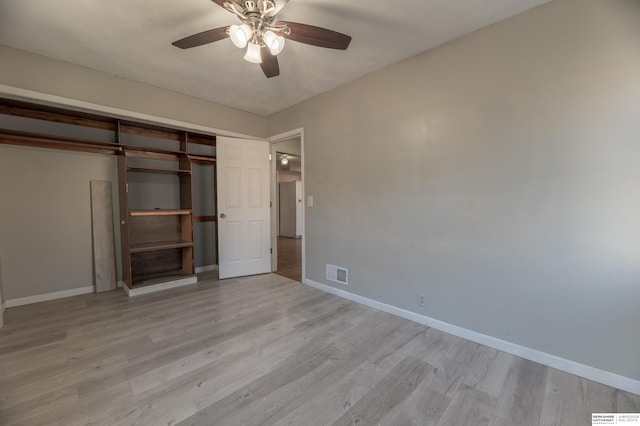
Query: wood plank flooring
266	350
290	258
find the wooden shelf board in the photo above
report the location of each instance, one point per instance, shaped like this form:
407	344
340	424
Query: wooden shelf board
153	279
42	112
158	170
159	245
150	130
201	159
20	138
212	218
202	139
135	213
153	153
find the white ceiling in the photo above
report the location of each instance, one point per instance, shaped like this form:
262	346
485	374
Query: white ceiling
132	39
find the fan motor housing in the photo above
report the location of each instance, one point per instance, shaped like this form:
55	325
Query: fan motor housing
250	6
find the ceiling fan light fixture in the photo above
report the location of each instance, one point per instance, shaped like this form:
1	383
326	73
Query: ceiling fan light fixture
274	42
262	35
240	35
253	54
284	160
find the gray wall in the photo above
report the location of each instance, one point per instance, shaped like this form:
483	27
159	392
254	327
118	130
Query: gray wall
45	218
1	297
498	175
29	71
204	233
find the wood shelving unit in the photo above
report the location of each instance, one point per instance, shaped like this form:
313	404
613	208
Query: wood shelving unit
155	173
158	247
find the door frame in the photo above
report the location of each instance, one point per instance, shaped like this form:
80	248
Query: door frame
273	140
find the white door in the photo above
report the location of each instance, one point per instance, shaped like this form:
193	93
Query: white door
243	207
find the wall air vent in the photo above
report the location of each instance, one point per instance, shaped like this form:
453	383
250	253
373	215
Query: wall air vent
338	274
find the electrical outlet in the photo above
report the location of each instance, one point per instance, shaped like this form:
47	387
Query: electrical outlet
421	300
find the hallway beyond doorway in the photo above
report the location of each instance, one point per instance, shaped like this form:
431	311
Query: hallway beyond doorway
290	258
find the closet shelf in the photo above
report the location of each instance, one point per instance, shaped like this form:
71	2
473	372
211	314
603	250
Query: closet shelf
158	245
158	170
159	212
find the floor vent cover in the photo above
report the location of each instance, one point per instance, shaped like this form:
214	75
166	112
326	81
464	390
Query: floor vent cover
338	274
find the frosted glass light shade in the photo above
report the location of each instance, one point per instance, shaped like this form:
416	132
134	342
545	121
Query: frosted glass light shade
253	53
274	42
240	35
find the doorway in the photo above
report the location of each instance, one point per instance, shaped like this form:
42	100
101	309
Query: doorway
288	203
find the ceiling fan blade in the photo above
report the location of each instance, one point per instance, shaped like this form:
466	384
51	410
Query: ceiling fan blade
316	36
269	63
220	3
204	37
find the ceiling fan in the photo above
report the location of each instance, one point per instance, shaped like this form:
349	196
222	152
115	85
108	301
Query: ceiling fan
262	36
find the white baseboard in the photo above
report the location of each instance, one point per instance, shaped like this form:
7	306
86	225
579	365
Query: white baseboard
131	292
206	268
11	303
119	284
572	367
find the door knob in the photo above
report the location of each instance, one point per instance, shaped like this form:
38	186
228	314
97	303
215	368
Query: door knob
222	215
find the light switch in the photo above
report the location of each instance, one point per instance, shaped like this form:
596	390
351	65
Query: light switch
310	201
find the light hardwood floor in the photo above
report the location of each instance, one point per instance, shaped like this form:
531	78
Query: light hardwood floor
267	350
290	258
